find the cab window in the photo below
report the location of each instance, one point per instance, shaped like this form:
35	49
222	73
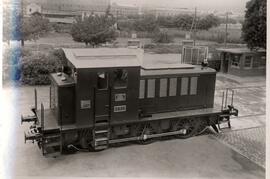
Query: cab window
120	78
102	80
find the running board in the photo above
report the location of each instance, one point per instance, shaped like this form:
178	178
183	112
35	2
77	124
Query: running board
145	137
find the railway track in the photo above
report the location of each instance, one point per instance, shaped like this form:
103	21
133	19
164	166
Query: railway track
240	87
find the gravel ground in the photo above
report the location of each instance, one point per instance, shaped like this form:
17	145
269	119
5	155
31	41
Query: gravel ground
249	142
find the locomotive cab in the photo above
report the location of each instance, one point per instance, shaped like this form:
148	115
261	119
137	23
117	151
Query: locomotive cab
106	85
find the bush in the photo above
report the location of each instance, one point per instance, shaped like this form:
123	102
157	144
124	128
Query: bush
11	60
35	69
12	56
162	48
162	37
149	46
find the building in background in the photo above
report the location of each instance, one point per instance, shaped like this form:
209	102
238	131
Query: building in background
242	61
165	11
56	10
124	11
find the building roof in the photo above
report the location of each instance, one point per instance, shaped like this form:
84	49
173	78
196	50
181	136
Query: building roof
104	57
62	20
239	50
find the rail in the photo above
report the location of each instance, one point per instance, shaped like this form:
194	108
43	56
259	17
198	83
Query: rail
240	87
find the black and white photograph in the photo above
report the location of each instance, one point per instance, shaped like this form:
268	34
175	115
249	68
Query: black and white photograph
134	89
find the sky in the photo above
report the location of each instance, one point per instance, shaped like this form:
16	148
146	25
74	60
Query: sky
219	5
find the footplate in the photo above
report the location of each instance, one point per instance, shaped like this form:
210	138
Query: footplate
29	118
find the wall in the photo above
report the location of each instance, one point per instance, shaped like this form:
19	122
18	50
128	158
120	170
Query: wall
246	72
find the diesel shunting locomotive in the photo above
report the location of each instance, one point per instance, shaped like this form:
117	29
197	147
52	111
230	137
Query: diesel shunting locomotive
106	96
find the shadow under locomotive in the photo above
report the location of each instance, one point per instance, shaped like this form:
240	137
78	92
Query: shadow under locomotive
107	96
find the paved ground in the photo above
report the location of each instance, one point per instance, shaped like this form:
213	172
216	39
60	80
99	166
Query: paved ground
248	142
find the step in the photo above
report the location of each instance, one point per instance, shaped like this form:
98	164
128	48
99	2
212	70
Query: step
52	144
52	136
101	124
224	121
52	154
224	115
28	118
101	139
101	147
101	131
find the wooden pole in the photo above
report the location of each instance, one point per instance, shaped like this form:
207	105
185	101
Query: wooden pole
195	25
226	30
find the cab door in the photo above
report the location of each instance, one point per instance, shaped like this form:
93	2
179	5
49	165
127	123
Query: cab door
102	97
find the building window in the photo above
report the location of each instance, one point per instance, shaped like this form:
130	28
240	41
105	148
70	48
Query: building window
102	80
173	87
151	88
163	87
262	62
120	78
193	85
235	61
184	86
248	62
256	63
142	89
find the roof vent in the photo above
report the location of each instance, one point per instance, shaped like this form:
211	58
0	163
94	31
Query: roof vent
59	74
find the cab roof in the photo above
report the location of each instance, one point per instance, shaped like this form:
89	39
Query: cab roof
104	57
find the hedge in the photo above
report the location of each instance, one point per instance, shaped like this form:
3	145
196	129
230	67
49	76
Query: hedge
11	61
35	69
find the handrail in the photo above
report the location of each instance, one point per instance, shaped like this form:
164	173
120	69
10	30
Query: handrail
50	97
42	126
42	117
225	95
35	99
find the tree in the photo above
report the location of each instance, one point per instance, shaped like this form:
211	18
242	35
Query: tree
208	22
162	37
254	26
184	21
166	21
94	29
24	28
34	27
147	23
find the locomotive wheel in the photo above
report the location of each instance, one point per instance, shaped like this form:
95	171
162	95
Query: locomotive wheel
202	126
144	130
188	127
